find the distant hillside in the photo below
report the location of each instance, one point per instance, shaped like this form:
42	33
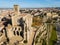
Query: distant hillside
57	8
5	8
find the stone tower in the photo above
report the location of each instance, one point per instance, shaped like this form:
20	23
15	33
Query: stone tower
15	17
16	9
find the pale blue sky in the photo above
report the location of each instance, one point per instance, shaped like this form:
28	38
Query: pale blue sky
29	3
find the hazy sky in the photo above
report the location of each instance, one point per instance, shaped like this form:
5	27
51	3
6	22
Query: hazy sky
29	3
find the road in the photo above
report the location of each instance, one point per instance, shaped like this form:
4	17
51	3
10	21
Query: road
58	33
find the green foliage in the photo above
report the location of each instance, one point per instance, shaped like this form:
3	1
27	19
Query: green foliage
44	42
53	37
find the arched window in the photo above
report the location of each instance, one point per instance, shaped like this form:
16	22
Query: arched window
17	33
18	28
14	32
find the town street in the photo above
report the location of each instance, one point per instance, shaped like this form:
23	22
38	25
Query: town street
58	33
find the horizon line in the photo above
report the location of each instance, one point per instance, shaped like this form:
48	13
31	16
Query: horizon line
33	7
